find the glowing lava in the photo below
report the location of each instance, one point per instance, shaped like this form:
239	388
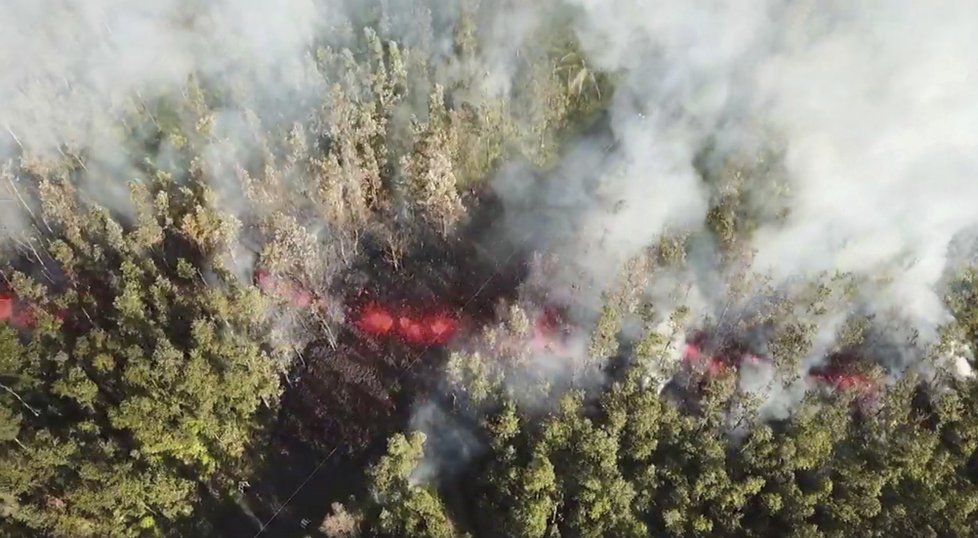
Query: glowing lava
549	330
6	307
693	356
846	382
722	361
22	315
376	321
291	292
372	319
412	331
441	328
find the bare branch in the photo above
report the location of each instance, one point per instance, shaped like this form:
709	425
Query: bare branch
25	404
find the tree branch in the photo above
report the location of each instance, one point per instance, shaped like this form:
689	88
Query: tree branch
25	404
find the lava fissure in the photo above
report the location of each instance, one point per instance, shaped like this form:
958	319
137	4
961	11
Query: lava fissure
413	326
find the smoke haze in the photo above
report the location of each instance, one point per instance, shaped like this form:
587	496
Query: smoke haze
873	104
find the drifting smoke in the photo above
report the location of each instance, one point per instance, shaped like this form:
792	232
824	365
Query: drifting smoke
71	70
72	73
448	444
872	104
871	107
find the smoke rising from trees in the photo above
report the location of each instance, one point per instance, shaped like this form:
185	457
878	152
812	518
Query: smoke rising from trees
582	246
871	104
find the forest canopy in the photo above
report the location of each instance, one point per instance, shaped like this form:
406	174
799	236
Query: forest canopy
439	269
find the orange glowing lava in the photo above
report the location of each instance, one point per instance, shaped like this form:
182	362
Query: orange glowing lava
694	357
376	321
441	328
6	307
549	330
846	382
411	330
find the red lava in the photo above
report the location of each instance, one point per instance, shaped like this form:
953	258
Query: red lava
846	382
549	330
441	328
18	315
694	357
411	330
371	319
713	365
21	315
376	321
6	307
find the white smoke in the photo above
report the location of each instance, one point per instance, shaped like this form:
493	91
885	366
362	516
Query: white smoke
875	103
68	68
449	444
879	114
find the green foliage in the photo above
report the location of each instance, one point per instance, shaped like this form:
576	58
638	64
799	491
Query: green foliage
150	384
629	463
153	385
402	508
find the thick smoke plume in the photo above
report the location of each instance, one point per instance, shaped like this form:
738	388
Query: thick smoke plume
872	107
873	103
70	69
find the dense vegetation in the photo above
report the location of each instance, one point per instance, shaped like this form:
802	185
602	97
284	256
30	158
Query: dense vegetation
159	348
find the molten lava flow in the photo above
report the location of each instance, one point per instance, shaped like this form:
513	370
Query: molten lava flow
441	328
693	357
846	382
374	320
19	314
549	330
411	330
722	361
841	373
6	307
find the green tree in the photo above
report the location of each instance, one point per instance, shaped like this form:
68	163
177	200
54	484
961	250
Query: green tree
144	388
402	508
